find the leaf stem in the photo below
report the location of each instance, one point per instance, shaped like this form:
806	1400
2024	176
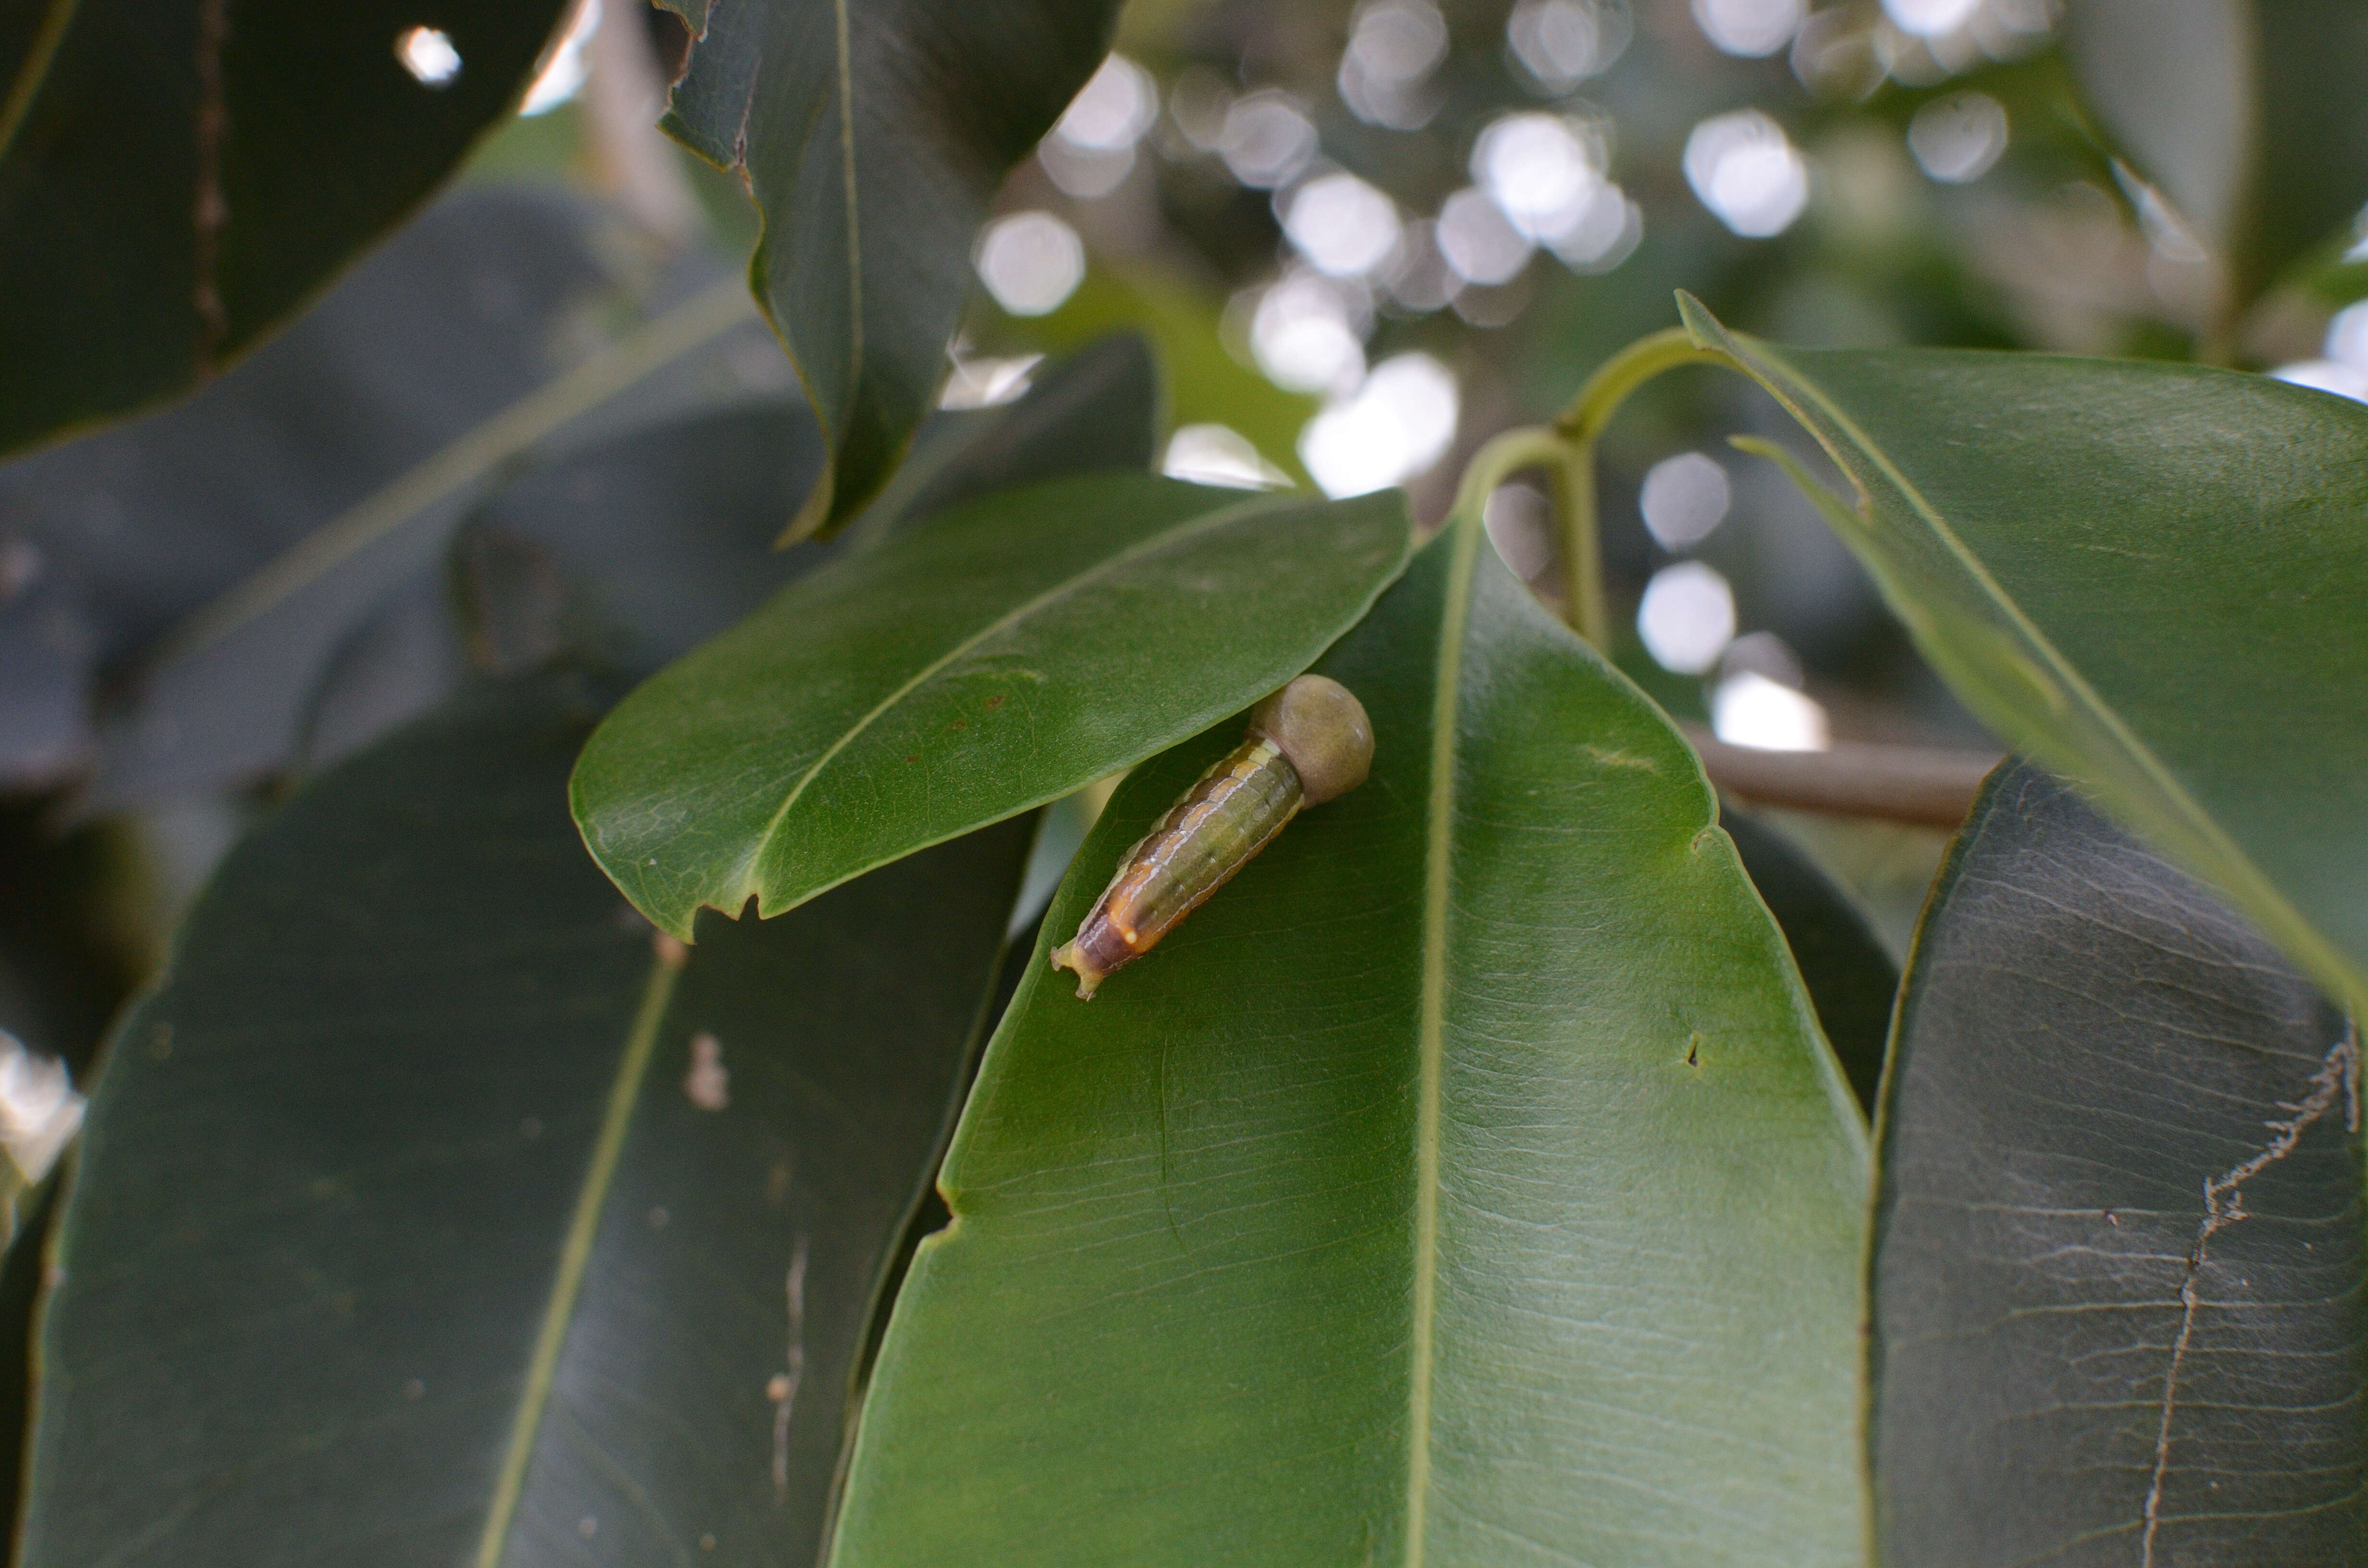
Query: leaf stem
1539	446
1567	451
1581	422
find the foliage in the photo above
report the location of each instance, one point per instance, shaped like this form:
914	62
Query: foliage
1510	1164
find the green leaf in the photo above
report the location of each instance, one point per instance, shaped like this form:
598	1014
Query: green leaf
2247	113
2143	574
2119	1305
1851	979
871	137
417	1224
1463	1184
1005	653
177	178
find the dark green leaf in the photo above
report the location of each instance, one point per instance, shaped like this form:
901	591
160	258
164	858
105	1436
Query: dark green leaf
1097	409
2247	113
2119	1313
1003	655
871	137
177	178
669	530
411	1228
1463	1184
20	1291
1850	977
2143	574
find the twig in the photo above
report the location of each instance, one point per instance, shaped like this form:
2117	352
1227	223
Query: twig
1928	785
631	158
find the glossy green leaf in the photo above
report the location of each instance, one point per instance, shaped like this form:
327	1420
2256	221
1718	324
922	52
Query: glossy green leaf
871	138
167	169
1000	656
2143	574
2247	113
427	1214
2119	1314
1463	1184
1852	981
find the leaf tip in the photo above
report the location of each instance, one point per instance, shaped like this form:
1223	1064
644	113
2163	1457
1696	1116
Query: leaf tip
815	513
1705	328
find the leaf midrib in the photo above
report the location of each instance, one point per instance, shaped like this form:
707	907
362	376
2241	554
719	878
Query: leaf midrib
35	71
750	873
1430	1044
576	1253
2197	821
696	322
854	206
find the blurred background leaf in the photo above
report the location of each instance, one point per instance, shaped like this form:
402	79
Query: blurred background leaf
2118	1305
162	166
2245	114
123	537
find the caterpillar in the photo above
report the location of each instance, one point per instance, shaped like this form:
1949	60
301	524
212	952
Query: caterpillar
1307	744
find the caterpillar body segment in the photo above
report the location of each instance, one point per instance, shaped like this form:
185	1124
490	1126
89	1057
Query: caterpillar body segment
1307	744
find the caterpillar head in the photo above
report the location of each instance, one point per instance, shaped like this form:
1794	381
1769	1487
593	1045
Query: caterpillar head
1322	728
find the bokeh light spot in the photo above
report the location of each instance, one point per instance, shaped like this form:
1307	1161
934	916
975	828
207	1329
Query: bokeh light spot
1684	497
1267	140
1480	244
563	75
1956	139
1747	172
1113	109
1562	42
1220	455
1398	423
1343	227
1748	710
1749	28
1520	525
1930	19
1031	262
1686	617
1305	337
1542	171
427	53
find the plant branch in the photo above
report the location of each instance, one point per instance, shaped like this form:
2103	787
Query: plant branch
1928	785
